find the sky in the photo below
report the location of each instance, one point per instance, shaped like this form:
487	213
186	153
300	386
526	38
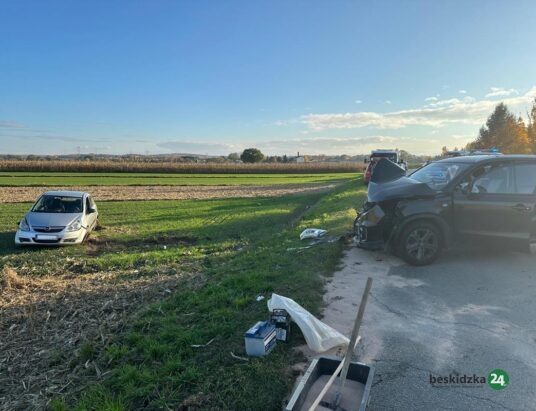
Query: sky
216	77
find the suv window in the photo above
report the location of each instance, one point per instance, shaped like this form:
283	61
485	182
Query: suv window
492	179
525	178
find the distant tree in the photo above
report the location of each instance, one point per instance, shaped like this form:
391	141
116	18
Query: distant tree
234	156
219	159
502	131
444	151
273	159
531	128
251	155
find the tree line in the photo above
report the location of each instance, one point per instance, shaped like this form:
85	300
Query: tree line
506	132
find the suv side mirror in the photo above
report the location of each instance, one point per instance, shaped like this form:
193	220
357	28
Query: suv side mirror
91	210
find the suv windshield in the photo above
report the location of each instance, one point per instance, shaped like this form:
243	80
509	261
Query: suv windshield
438	175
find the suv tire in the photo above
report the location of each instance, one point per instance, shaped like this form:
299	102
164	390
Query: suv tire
420	243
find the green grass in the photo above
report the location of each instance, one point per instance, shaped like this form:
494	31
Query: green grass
98	179
240	249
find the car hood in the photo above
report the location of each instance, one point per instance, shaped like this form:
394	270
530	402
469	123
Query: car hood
51	219
389	182
404	187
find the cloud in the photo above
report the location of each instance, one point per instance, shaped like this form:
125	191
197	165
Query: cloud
442	103
431	99
358	101
327	141
436	114
29	134
388	102
355	145
501	92
199	148
462	91
11	124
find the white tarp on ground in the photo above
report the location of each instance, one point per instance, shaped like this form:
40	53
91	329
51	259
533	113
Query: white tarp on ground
320	337
312	233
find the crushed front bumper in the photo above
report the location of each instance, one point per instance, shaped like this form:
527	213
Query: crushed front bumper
369	229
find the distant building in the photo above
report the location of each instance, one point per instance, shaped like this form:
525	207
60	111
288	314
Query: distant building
297	159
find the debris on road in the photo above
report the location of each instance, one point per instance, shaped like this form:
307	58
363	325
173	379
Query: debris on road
319	336
260	339
202	345
312	233
236	357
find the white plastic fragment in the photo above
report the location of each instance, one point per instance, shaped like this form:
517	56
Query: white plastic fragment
319	336
202	345
312	233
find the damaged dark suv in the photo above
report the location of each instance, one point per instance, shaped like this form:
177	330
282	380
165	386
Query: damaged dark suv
478	197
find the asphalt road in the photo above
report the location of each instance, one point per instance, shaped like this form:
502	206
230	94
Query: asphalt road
469	313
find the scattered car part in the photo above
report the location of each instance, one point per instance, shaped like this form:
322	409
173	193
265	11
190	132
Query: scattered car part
312	233
319	336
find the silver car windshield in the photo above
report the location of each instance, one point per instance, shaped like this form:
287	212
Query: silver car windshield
438	175
58	204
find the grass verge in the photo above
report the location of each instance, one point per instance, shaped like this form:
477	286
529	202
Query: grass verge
236	249
46	179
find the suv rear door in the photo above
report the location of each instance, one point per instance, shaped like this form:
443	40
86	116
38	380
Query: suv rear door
487	204
525	178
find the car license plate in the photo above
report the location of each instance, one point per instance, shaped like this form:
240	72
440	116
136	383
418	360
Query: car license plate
46	237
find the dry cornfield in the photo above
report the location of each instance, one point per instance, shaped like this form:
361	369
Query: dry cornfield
175	167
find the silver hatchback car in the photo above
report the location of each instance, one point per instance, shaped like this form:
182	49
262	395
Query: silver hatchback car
58	218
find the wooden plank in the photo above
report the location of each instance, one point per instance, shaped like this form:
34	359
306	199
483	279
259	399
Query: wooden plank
349	352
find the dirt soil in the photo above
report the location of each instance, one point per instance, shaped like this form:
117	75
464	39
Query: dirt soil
51	328
120	193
